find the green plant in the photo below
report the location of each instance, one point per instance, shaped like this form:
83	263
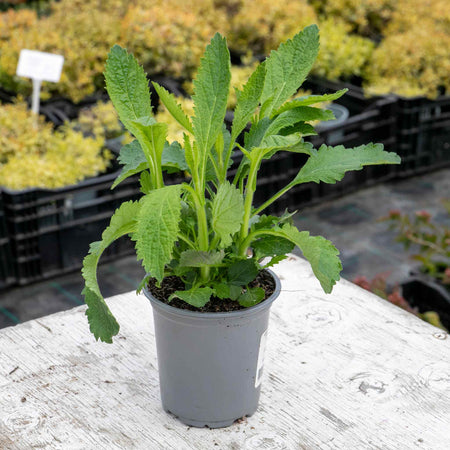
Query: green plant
33	154
379	286
207	231
431	240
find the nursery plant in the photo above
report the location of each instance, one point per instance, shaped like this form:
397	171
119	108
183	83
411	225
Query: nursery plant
204	236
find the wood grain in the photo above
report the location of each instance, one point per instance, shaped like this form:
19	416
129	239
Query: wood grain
342	371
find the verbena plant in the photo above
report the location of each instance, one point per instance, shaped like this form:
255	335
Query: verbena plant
204	229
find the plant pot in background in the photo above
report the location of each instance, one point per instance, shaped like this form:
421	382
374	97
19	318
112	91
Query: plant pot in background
427	295
210	364
342	114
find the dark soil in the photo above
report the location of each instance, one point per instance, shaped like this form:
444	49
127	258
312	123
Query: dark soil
171	284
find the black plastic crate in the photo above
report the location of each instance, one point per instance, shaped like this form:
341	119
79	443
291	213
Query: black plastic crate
6	272
423	134
50	230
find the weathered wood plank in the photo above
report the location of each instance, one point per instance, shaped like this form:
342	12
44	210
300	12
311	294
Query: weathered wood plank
344	371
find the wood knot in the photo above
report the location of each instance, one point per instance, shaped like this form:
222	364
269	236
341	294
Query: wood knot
267	441
436	376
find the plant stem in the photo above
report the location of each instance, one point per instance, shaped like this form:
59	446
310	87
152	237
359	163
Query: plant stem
274	198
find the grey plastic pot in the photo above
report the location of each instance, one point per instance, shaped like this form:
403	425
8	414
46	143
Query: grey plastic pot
210	364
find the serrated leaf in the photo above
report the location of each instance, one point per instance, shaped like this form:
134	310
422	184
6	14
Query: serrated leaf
133	160
170	102
127	86
196	258
252	297
275	260
221	290
157	228
299	114
287	67
102	323
242	272
211	93
248	100
310	100
197	297
173	158
227	212
292	143
256	134
271	246
329	164
321	254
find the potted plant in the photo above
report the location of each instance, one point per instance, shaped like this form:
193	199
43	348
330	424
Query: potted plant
204	245
427	288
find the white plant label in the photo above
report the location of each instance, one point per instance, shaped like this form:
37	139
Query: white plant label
260	365
40	65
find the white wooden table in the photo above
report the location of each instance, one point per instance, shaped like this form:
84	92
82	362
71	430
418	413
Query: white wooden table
343	371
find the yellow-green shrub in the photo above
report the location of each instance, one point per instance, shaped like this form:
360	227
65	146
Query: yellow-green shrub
341	54
81	31
33	154
368	17
261	26
100	120
169	36
414	57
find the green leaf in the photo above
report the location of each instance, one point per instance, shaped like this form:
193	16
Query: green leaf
195	258
211	93
157	228
248	100
310	100
133	159
275	260
329	164
227	212
242	272
145	181
197	297
291	143
221	290
173	158
152	137
127	87
252	297
287	67
102	323
321	254
170	102
299	114
271	246
256	134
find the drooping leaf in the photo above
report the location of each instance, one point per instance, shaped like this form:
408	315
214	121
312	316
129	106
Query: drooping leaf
102	323
321	254
157	228
211	93
329	164
310	100
127	87
170	102
196	258
248	100
242	272
197	297
287	67
251	297
227	212
275	260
